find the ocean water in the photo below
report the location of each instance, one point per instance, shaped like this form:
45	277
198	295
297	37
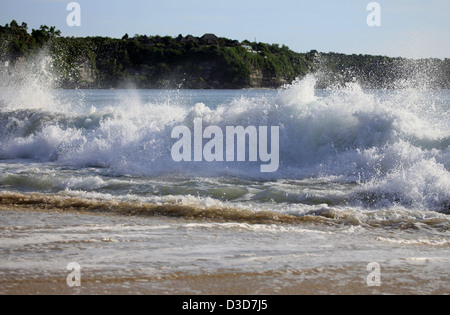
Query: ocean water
364	177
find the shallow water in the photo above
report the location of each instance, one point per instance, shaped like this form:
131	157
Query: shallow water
364	176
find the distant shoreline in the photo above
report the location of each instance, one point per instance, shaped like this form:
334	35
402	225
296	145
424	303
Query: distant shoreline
207	62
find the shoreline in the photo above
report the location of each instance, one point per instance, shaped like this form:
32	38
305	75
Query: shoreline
346	281
280	282
405	276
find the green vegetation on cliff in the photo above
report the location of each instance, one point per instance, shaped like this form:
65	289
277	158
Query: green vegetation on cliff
203	62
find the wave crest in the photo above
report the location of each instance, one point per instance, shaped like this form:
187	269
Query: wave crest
394	143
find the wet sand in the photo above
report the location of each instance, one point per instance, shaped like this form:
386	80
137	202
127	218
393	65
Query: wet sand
416	277
309	282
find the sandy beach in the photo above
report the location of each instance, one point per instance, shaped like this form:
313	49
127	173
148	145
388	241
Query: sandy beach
307	282
35	272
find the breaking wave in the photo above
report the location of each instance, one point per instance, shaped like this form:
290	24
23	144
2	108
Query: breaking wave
393	144
192	208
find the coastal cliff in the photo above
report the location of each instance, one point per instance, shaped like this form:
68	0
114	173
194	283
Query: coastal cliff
207	62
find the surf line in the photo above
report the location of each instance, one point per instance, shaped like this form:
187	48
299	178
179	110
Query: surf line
234	140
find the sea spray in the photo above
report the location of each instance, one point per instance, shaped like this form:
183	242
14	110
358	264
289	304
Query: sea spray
394	144
29	84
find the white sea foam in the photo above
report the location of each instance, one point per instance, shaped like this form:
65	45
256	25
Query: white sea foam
394	144
429	242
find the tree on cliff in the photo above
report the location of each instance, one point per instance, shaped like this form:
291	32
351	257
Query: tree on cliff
204	62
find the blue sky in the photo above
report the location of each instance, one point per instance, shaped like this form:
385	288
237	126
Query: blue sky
410	28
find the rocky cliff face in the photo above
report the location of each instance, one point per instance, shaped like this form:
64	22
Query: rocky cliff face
262	79
256	78
86	70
